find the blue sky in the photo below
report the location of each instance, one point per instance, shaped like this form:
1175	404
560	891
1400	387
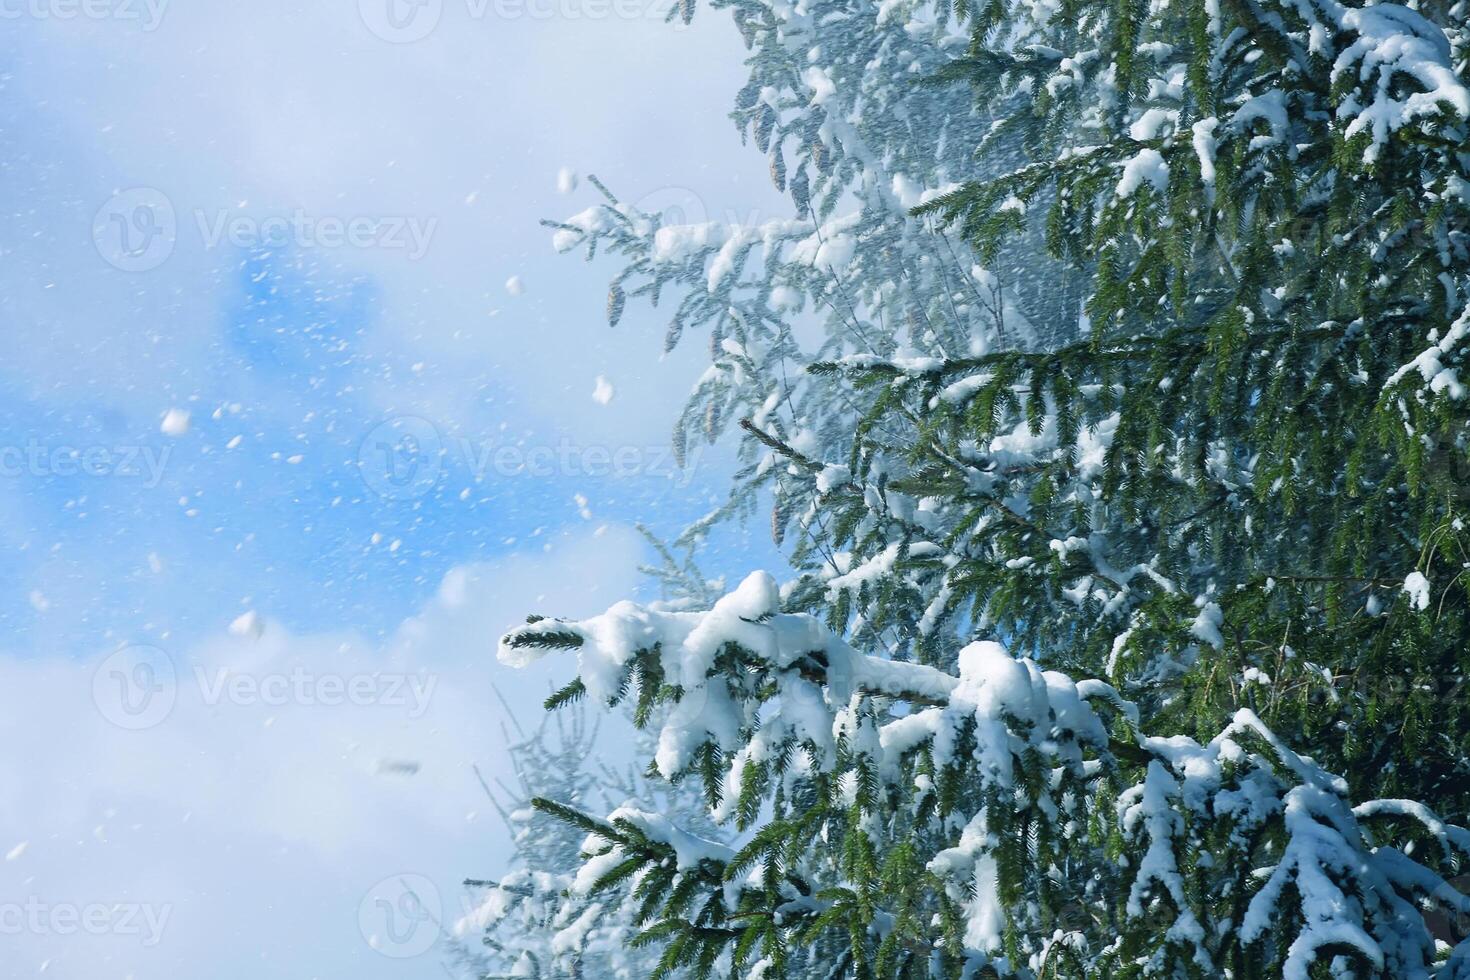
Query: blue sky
304	349
341	217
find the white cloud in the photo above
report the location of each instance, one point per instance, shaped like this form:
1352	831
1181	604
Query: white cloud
259	828
344	126
257	819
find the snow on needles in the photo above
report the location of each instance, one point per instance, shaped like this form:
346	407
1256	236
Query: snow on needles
762	685
1392	40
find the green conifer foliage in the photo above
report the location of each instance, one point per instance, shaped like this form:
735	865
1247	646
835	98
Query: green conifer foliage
1127	645
902	821
1249	481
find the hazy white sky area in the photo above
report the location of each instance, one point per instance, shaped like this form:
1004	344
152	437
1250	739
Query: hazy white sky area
246	249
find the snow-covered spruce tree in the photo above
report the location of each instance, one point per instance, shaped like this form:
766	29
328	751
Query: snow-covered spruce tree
532	922
838	102
1237	497
1248	485
997	821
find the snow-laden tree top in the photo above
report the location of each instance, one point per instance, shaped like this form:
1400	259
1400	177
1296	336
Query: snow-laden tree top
837	101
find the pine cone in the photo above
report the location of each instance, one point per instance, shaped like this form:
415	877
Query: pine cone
711	421
801	192
671	338
821	156
615	301
764	124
